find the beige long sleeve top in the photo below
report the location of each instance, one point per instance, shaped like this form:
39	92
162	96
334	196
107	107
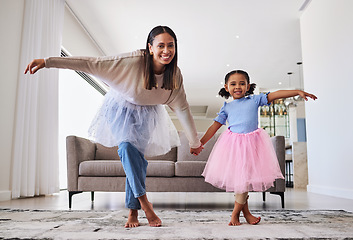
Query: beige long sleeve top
125	74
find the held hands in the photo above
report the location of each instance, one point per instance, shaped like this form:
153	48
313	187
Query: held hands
34	66
196	151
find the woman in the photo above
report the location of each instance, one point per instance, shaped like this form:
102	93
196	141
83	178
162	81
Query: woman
132	116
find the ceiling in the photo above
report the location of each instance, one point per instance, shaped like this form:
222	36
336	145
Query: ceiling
261	37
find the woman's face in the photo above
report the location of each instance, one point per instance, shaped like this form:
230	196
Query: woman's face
163	49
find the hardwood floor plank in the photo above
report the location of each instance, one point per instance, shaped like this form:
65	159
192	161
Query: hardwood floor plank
294	199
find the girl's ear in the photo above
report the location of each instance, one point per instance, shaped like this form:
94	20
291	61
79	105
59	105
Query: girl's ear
248	87
226	87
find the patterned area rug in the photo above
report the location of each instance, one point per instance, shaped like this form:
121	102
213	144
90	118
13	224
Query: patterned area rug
178	224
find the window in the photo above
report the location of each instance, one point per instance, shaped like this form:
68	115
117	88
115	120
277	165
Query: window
78	104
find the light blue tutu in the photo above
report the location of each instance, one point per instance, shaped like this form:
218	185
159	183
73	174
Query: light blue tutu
149	128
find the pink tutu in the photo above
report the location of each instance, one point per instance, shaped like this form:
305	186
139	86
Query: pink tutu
243	162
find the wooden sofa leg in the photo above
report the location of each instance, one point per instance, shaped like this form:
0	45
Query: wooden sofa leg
281	194
71	193
92	196
263	196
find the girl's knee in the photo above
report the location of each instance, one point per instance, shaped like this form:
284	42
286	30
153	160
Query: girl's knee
241	198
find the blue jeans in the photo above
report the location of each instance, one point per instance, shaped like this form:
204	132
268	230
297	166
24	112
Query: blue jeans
135	167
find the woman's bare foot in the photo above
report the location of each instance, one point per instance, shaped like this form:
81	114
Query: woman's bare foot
151	216
132	220
251	219
234	220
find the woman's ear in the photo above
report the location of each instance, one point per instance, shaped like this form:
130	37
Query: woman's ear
150	48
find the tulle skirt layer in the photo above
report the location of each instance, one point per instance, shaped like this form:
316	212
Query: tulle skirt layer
149	128
243	162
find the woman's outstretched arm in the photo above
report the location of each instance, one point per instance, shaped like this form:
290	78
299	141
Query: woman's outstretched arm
289	93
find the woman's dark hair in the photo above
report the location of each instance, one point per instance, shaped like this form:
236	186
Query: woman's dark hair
169	79
223	92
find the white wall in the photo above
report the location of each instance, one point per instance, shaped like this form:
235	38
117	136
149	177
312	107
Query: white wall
327	37
75	39
11	12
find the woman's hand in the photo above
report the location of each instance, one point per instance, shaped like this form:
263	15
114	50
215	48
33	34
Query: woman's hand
196	151
35	65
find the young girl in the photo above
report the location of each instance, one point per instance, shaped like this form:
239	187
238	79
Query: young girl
132	116
243	158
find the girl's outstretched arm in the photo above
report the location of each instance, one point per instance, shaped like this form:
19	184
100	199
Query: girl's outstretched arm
289	93
207	136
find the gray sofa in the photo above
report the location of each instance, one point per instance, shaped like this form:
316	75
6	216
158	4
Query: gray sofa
92	167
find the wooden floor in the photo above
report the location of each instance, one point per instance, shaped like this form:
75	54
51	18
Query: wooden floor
294	199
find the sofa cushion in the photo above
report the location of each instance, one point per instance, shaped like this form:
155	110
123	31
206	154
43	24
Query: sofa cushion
189	168
160	168
110	168
169	156
184	148
102	168
103	152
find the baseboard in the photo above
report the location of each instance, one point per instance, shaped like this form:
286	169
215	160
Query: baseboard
335	192
5	196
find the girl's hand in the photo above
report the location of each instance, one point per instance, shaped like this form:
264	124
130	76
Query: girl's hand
35	65
305	95
196	151
289	93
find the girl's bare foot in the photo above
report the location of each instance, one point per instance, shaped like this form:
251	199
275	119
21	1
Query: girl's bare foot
234	220
251	219
132	220
151	216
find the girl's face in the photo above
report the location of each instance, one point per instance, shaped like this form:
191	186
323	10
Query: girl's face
163	49
237	86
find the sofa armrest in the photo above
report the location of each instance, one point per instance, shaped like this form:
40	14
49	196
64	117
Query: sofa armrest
78	150
279	146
